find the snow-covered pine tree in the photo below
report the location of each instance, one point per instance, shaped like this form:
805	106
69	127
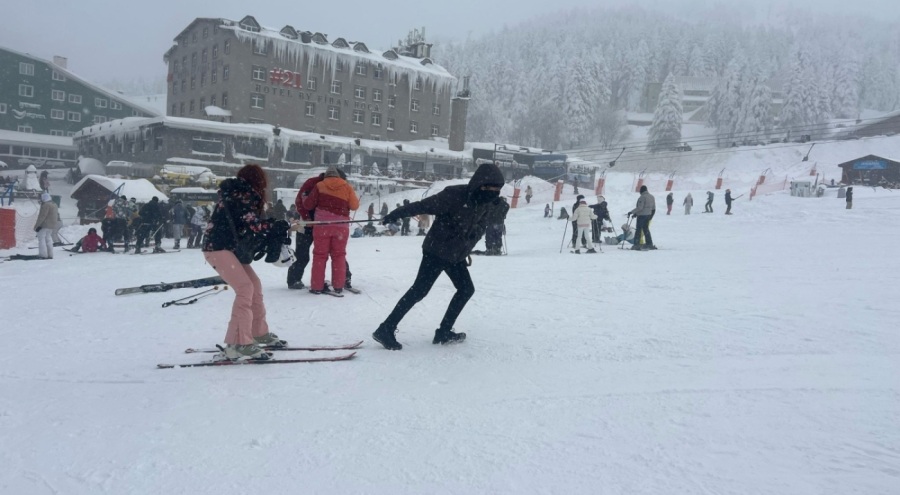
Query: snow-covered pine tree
845	100
665	131
756	118
578	99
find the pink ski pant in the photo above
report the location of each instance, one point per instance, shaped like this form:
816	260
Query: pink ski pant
248	313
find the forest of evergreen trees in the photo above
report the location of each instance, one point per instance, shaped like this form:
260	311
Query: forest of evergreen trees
566	80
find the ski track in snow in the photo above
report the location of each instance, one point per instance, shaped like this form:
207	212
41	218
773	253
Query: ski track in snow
755	353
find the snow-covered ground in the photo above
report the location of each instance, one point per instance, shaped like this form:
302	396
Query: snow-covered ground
753	353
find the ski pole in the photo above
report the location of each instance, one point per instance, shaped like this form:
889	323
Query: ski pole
199	295
565	229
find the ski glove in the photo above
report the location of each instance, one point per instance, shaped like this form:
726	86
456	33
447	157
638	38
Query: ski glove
390	218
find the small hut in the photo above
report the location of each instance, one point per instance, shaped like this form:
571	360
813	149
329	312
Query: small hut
94	192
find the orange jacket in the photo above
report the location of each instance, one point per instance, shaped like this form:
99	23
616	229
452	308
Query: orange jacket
332	196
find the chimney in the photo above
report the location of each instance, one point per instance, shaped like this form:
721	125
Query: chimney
61	62
459	109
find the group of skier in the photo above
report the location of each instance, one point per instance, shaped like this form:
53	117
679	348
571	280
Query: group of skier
239	233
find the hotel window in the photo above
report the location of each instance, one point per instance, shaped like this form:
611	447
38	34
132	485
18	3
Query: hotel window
74	116
2	107
215	52
212	100
417	85
194	36
26	90
181	108
436	109
378	71
174	109
204	56
157	143
258	73
174	87
392	101
435	130
339	65
376	95
192	107
74	98
205	32
57	95
359	92
414	105
334	112
390	123
202	104
57	133
184	62
115	105
26	69
359	117
99	119
335	87
57	114
227	47
193	82
225	71
100	102
361	69
312	83
58	77
202	79
257	101
175	66
183	85
376	119
224	100
194	60
69	133
413	127
310	109
24	128
214	75
259	47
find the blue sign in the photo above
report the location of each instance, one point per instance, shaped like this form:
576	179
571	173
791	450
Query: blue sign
870	165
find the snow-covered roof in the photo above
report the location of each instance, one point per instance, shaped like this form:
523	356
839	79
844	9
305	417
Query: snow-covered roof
186	169
294	49
140	189
100	89
214	111
133	125
30	139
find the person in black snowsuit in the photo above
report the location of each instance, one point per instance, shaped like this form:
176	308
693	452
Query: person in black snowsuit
151	222
709	199
728	200
600	209
575	226
493	236
849	197
279	212
461	216
404	228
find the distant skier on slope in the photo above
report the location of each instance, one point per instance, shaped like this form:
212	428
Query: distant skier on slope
709	201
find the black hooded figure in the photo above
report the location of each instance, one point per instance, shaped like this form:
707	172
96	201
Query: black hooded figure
461	216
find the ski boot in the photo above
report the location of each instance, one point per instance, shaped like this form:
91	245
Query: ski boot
269	340
158	249
447	336
592	251
385	337
243	352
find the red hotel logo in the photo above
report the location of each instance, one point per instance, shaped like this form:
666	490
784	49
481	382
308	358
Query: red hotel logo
286	78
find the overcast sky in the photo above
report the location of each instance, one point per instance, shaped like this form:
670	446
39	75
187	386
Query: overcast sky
105	39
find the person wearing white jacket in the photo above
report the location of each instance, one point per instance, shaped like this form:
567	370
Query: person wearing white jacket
582	218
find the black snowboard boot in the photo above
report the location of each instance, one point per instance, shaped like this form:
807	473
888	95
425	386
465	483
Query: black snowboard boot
447	337
385	337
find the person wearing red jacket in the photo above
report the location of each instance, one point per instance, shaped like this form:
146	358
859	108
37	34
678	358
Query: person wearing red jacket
90	243
332	198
